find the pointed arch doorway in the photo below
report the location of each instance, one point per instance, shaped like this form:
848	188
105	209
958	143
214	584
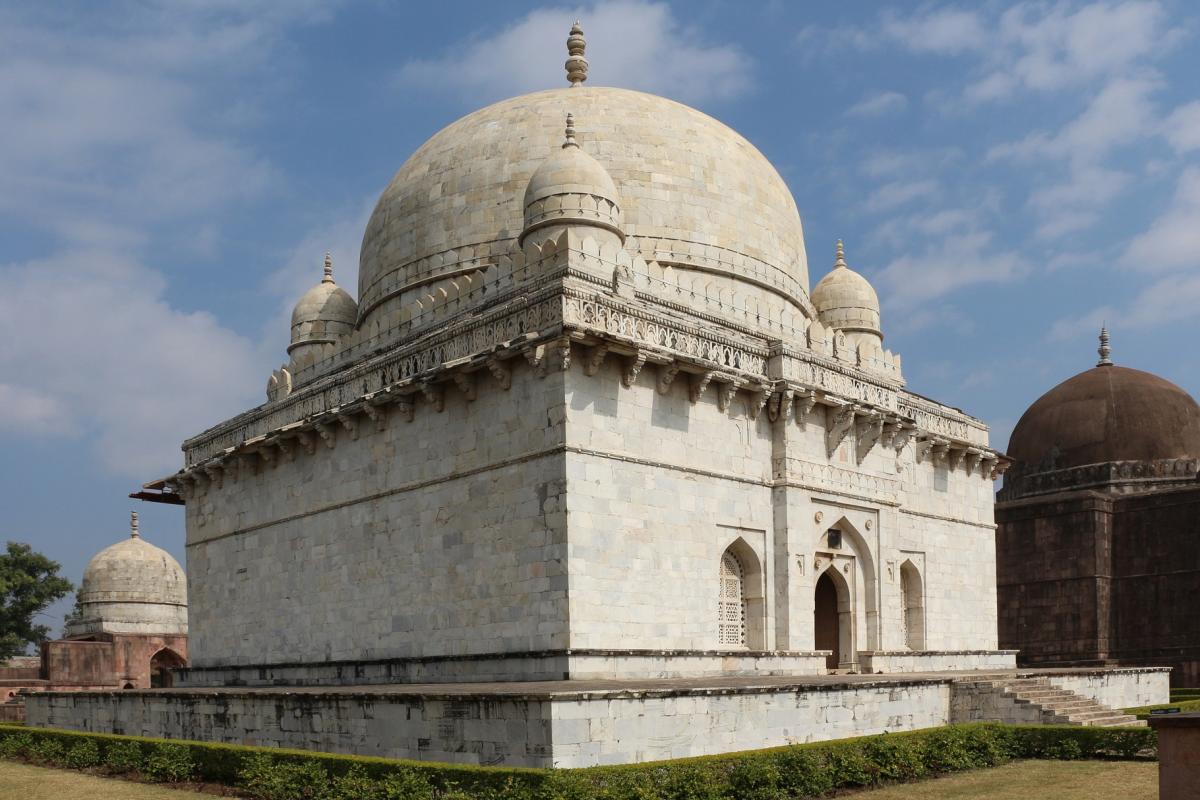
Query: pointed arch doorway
832	618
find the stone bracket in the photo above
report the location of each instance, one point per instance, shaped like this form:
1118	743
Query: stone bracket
839	426
350	424
632	367
536	356
758	400
595	359
501	372
466	384
867	433
435	395
727	392
698	383
666	374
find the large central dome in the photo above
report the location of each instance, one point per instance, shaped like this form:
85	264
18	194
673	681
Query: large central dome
693	193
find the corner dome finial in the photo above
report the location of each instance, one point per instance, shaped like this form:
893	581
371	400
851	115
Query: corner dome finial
839	255
569	141
1104	350
577	65
328	268
133	525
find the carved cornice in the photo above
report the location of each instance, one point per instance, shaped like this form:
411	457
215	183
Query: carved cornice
1113	477
541	325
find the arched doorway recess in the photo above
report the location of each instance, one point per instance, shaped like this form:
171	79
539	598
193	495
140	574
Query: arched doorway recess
161	665
833	618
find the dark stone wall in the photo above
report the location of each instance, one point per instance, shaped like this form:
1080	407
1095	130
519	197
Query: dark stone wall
1087	578
1156	613
1053	574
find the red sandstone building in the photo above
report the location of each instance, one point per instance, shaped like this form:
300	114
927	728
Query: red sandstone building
1098	525
130	632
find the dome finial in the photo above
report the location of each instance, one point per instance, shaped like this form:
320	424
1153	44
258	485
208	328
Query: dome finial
133	525
1104	350
570	132
577	65
328	268
839	255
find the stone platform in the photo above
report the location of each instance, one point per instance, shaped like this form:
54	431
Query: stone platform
566	723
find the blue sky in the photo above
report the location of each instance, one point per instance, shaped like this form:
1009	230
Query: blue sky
1007	175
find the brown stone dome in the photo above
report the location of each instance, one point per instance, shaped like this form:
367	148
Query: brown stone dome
1107	413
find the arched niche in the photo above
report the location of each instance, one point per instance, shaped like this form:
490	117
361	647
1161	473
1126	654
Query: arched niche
161	664
741	598
864	590
912	605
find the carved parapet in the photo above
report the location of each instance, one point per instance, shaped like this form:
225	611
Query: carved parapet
840	421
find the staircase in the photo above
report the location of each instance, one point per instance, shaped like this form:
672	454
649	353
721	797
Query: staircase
1006	698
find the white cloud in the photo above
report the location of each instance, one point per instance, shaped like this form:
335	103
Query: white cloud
121	132
947	265
941	31
1168	301
899	193
1173	240
878	105
625	47
1182	127
99	350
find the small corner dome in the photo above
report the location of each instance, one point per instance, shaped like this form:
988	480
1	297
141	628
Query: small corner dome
324	312
133	571
845	300
571	186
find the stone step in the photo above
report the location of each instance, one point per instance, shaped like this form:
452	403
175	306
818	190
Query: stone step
1046	695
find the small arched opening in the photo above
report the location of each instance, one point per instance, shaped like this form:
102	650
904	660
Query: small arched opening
740	599
833	618
161	665
912	605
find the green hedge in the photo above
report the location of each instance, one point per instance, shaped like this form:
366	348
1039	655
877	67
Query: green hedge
808	770
1184	706
1184	694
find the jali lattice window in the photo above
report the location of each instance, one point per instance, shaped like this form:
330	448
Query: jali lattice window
731	604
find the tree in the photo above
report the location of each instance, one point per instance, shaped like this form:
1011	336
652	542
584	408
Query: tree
28	583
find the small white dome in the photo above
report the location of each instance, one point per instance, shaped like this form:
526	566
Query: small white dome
846	301
132	587
571	187
325	312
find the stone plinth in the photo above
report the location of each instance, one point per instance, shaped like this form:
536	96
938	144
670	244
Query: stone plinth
575	723
1178	756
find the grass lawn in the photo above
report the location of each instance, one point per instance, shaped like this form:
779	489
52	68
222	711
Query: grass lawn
39	783
1030	780
1021	780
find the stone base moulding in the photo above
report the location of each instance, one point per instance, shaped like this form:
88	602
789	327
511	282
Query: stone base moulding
560	665
549	723
887	661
